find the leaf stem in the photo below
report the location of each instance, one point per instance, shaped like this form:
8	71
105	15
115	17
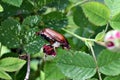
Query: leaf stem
97	68
83	39
0	50
28	68
106	28
79	37
78	3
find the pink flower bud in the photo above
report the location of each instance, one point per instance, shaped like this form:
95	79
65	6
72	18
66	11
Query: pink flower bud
112	40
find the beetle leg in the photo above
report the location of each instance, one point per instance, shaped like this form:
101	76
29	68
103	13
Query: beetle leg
49	50
56	44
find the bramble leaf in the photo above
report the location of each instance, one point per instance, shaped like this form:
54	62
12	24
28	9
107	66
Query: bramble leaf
9	33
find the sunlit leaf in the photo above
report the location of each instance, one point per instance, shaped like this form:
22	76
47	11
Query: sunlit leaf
14	2
11	64
109	63
1	8
113	6
97	13
33	64
20	75
4	75
115	22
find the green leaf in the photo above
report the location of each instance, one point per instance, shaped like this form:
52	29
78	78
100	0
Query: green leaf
79	17
32	21
16	3
9	33
34	64
4	75
11	64
1	8
52	71
112	78
109	63
114	6
97	13
42	75
77	65
20	75
33	43
4	50
115	22
55	19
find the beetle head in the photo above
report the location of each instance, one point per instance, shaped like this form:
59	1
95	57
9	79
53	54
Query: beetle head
65	45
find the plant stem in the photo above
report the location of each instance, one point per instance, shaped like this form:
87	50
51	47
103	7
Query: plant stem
28	68
81	2
106	28
0	50
81	38
93	54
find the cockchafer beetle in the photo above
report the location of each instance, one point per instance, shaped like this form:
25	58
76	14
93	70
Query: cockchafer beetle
56	39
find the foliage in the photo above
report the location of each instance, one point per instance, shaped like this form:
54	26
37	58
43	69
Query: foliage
10	65
1	8
70	65
84	24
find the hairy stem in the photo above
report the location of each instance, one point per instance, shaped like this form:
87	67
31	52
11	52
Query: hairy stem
82	38
79	37
106	28
28	68
80	2
93	54
0	50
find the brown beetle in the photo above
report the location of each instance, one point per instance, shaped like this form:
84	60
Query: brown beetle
56	39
